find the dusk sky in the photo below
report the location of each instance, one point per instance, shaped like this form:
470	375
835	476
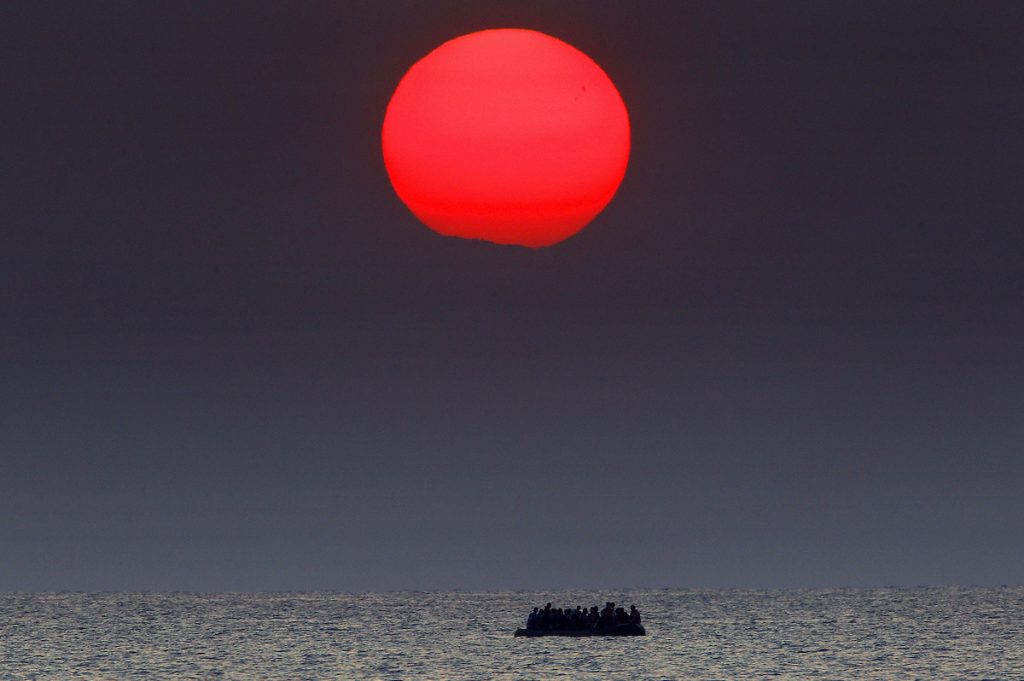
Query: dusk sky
790	353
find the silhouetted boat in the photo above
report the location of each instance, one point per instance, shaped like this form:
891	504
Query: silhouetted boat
617	630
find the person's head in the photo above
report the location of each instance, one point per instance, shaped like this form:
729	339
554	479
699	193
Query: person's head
536	609
632	607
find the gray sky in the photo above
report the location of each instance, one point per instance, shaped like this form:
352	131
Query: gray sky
789	353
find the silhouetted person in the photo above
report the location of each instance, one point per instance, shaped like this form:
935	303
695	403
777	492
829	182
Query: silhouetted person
620	616
533	621
634	615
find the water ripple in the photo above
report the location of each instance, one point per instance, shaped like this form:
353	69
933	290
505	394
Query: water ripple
942	633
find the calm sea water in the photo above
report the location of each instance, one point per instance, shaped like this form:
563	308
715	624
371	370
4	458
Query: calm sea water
950	633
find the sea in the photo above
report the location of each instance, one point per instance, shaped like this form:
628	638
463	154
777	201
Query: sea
836	634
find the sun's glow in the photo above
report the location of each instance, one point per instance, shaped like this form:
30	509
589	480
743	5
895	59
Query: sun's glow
506	135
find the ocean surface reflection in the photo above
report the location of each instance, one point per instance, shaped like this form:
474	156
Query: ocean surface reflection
934	633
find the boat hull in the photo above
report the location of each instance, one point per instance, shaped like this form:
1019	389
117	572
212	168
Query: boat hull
617	630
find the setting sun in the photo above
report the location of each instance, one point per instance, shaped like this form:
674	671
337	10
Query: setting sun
508	135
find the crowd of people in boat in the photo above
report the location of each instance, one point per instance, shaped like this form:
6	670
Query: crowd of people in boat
581	618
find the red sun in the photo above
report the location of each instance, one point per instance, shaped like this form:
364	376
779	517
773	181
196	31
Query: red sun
506	135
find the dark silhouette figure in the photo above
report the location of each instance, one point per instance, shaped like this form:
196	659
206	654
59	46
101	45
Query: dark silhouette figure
581	621
548	621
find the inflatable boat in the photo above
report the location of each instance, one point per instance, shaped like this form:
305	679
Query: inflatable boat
617	630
